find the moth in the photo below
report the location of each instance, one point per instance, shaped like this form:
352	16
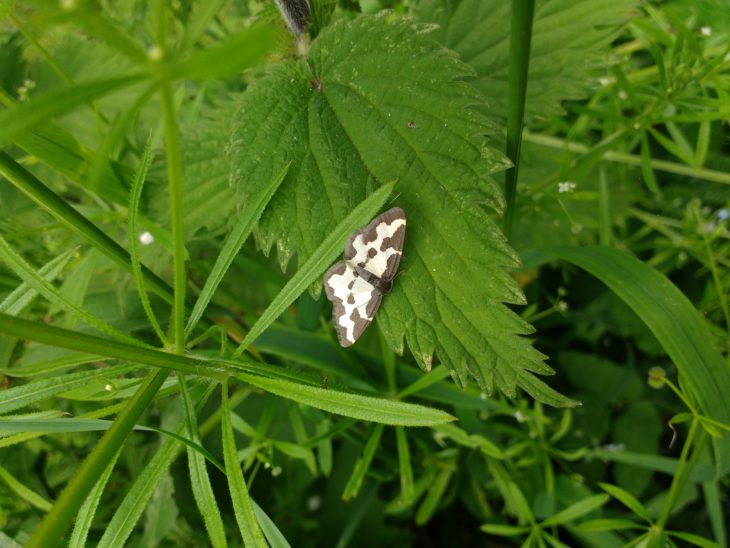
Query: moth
357	284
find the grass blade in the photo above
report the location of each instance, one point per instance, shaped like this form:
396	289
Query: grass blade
670	316
54	524
577	510
199	479
404	462
273	535
35	111
519	63
330	248
628	500
243	508
132	232
24	271
232	245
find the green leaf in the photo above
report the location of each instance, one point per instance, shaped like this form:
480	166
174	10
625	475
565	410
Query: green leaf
504	530
84	518
671	317
352	488
243	507
28	115
232	245
434	495
569	40
695	540
25	493
199	479
609	524
628	500
376	100
275	537
317	263
577	510
230	56
404	463
24	294
356	406
27	394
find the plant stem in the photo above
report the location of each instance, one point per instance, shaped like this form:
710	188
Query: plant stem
519	62
174	183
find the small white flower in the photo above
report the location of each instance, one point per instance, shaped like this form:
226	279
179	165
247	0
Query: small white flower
562	306
28	83
706	31
623	95
519	416
722	214
109	387
604	81
483	396
615	447
146	238
566	186
155	53
275	471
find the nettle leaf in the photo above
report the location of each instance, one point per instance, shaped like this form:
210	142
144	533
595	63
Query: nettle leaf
569	41
376	100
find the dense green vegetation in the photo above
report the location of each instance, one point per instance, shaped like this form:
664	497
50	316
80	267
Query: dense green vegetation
552	366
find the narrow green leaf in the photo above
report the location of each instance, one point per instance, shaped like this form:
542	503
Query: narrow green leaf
85	517
54	524
271	531
324	446
609	524
243	508
199	479
670	316
314	267
230	56
685	155
703	143
695	540
133	234
9	425
363	464
462	437
27	394
647	170
24	492
577	510
351	405
253	209
433	497
504	530
24	294
404	463
27	273
628	500
519	63
666	465
29	114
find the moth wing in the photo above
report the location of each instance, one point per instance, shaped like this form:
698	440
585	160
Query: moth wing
354	301
378	246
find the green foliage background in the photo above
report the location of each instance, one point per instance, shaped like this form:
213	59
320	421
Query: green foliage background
176	177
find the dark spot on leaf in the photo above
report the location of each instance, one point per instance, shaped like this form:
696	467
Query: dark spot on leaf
316	85
411	125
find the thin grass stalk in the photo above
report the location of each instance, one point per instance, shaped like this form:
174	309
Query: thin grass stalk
519	62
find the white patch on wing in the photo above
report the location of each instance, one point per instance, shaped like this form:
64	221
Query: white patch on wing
353	298
379	263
